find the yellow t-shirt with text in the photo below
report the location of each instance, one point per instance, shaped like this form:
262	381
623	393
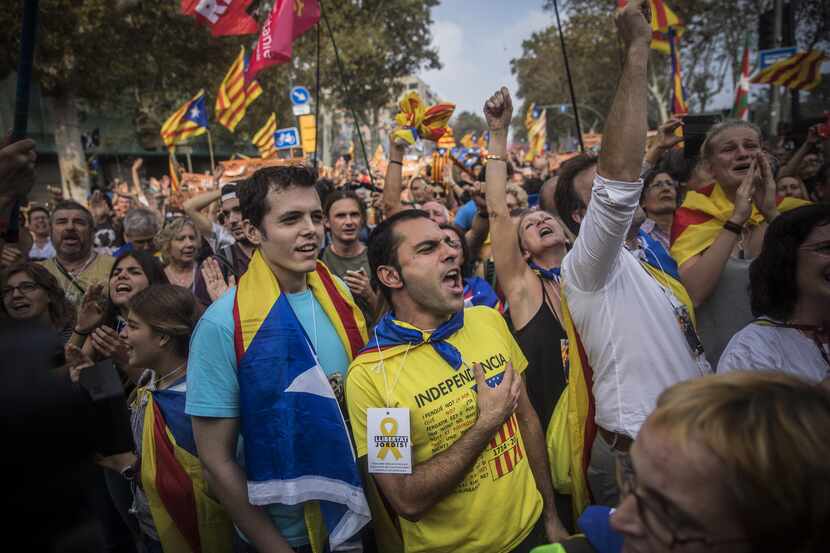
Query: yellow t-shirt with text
497	503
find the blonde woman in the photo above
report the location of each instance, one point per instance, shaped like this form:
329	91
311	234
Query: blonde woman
179	242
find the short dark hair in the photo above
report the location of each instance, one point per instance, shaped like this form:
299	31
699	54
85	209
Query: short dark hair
338	195
253	191
567	200
72	205
37	208
469	263
649	177
773	286
383	245
149	263
533	185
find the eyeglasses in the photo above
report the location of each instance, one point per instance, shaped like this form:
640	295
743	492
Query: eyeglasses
25	288
657	523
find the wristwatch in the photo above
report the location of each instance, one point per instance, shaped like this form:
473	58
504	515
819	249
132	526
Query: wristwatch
128	473
733	227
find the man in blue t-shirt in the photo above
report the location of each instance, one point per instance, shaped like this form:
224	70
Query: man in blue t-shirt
283	217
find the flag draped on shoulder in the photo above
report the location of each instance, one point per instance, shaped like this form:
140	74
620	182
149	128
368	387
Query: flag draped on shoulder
801	71
186	518
235	95
264	138
700	219
678	96
283	391
740	109
223	17
288	20
187	121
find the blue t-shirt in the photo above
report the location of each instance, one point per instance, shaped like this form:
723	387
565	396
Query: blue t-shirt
465	214
213	389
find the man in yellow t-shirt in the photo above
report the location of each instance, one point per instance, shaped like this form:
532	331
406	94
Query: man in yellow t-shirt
480	481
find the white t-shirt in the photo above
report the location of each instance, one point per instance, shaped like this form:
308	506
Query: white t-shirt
625	319
46	252
759	347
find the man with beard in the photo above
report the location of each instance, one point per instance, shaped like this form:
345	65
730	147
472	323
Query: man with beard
42	247
346	255
76	265
455	375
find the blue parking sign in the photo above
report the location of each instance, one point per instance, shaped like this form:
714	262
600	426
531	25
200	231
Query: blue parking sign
287	138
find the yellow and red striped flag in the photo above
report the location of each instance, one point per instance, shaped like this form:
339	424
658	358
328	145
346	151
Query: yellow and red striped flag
662	19
264	138
800	72
189	120
234	95
678	97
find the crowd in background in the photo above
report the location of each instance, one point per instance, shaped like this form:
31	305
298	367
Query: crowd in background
617	281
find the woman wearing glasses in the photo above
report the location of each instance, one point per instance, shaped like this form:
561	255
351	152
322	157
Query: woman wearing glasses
32	294
730	463
790	296
659	201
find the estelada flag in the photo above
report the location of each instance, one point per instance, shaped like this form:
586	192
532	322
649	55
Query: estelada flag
288	20
187	121
223	17
235	95
799	72
186	518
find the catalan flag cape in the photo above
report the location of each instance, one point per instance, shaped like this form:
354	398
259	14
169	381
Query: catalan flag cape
800	72
187	519
701	217
264	138
235	95
297	445
187	121
416	121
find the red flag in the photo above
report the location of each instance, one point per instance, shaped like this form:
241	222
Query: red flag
224	17
288	20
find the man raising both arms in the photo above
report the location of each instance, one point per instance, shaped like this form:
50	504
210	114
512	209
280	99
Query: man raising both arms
479	479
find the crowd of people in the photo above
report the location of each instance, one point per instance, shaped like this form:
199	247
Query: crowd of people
629	351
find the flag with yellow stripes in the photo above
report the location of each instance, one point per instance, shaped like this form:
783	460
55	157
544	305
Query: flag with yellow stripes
187	121
799	72
234	95
264	138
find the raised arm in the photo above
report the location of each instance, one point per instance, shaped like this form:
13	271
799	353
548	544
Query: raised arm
617	186
393	184
791	168
512	271
624	136
413	495
193	208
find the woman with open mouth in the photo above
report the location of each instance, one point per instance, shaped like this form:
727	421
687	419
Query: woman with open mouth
101	318
31	294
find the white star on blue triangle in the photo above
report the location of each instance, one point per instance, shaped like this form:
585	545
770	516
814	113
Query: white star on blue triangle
196	112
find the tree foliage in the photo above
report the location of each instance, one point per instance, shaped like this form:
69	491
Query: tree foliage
465	122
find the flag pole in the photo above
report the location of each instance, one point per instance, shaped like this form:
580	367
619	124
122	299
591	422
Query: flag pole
317	100
568	73
348	98
210	148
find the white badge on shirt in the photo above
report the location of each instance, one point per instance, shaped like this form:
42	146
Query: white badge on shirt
389	444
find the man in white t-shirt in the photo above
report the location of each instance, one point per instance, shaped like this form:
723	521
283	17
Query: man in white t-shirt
627	321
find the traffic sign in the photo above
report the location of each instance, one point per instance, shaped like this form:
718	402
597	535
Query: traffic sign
287	138
300	96
770	57
303	109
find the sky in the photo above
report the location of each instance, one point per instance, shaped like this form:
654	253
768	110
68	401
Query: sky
476	41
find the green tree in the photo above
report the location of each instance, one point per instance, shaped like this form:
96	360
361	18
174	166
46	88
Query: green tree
143	59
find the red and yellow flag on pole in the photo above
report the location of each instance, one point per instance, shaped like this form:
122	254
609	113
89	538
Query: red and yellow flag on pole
678	102
662	19
799	72
234	95
264	138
